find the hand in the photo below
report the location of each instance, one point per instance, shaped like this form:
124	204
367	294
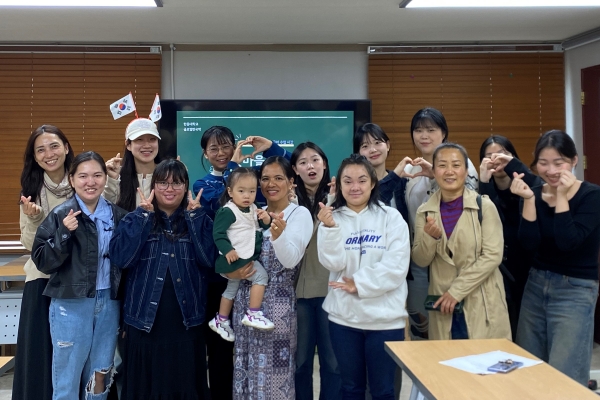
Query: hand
332	186
432	229
400	168
485	170
325	215
70	221
113	166
243	273
499	161
263	216
232	256
292	193
259	143
426	168
278	224
348	285
520	188
446	303
146	203
567	180
30	208
238	157
194	203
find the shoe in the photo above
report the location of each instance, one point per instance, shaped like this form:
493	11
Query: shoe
257	320
223	328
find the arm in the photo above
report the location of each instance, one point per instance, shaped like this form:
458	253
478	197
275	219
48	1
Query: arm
515	165
112	189
130	237
29	226
291	244
330	247
223	220
424	246
200	227
388	185
52	245
211	192
572	227
276	150
492	244
391	270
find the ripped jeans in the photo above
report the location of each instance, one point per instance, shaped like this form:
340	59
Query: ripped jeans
84	336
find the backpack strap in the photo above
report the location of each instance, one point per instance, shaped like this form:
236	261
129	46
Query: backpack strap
479	211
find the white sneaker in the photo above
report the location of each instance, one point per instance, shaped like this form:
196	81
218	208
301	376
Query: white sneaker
223	328
257	320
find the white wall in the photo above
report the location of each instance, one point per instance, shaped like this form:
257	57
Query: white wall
217	75
575	60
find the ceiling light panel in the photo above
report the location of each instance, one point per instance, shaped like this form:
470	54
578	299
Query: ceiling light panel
503	3
78	3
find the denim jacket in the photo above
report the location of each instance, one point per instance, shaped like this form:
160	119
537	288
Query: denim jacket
148	255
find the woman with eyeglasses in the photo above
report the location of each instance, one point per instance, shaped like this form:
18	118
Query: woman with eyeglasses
44	185
219	148
166	246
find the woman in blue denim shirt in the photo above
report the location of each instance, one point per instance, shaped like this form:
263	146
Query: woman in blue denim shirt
166	244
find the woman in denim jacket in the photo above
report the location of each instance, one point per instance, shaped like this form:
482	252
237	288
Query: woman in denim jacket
166	244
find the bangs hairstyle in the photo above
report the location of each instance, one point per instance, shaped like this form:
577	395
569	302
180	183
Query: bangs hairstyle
500	141
84	157
357	159
234	176
174	169
557	140
285	165
323	188
32	176
129	181
454	146
369	129
222	134
429	116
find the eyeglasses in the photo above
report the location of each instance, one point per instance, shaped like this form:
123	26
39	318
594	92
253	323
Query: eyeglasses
165	185
216	149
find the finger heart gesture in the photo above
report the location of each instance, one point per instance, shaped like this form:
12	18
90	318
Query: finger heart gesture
278	225
325	215
29	208
113	166
70	221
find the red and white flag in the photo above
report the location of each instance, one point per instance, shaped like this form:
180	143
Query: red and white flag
156	113
122	106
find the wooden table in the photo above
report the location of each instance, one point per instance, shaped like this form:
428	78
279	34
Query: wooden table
420	360
13	270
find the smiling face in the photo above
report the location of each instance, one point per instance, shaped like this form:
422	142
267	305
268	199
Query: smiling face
551	163
144	148
375	150
88	181
170	198
427	136
243	192
50	152
310	167
450	172
218	154
356	186
274	185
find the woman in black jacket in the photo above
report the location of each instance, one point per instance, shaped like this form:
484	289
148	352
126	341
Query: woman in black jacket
72	246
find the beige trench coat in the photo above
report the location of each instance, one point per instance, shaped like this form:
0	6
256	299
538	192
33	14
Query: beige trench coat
466	266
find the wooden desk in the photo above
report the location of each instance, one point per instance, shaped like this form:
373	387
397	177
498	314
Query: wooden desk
6	363
13	271
420	360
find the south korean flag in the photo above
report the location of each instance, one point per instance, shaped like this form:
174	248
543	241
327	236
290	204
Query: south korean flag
156	113
122	106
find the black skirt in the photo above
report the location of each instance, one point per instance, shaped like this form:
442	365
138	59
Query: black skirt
33	361
169	362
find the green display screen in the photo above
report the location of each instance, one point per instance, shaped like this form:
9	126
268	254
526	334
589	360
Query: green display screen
330	130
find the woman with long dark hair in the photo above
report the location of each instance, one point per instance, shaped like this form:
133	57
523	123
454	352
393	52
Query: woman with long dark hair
312	180
44	185
166	246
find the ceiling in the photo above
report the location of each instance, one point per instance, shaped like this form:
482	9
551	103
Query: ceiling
217	22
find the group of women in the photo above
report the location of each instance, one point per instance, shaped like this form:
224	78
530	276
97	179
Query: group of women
123	257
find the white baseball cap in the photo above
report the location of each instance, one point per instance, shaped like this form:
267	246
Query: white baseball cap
139	127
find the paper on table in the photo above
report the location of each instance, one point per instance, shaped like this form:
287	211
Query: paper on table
479	363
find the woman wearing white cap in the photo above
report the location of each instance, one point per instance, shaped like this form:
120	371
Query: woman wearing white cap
134	170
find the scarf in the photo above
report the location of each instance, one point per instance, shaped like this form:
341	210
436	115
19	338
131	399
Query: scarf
62	190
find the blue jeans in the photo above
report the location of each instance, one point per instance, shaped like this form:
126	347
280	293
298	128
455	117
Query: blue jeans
363	353
313	330
84	336
556	322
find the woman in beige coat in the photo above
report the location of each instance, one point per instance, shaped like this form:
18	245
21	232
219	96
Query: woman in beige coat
464	254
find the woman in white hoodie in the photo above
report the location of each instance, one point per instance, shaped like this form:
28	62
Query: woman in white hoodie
365	246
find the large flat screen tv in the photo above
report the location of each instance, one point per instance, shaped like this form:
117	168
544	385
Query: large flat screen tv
328	123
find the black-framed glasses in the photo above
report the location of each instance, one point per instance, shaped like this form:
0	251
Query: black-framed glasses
165	185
